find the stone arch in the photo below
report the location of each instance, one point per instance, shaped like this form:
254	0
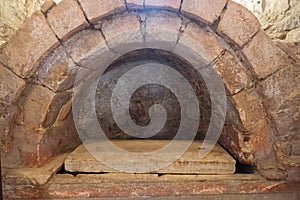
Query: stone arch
43	57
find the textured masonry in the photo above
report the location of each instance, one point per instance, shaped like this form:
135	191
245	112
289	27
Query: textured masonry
263	118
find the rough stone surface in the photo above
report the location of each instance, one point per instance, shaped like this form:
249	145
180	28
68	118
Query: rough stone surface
250	109
265	57
201	41
232	140
121	186
278	18
33	176
34	147
195	187
189	163
204	9
58	71
238	23
85	45
95	9
162	30
281	93
150	94
41	107
30	44
234	74
123	33
60	138
171	4
11	87
70	15
13	14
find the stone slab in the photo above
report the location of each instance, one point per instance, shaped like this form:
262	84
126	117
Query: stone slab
218	161
33	176
137	186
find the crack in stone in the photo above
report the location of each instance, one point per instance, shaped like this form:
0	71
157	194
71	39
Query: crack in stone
9	69
142	17
251	38
180	31
180	6
215	24
106	42
84	14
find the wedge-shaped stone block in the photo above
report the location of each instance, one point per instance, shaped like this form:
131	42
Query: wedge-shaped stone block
85	45
238	23
95	9
201	41
250	110
66	18
34	176
208	10
58	71
265	56
123	33
233	73
41	107
162	30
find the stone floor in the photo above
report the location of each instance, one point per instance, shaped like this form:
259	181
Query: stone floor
54	182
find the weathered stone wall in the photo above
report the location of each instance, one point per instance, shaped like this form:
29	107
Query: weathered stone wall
13	13
262	122
280	19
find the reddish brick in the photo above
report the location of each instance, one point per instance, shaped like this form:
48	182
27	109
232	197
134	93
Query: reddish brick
208	10
238	23
173	4
32	42
95	9
66	18
234	74
265	56
201	41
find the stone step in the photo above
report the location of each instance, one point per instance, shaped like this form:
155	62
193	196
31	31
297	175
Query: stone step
217	161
